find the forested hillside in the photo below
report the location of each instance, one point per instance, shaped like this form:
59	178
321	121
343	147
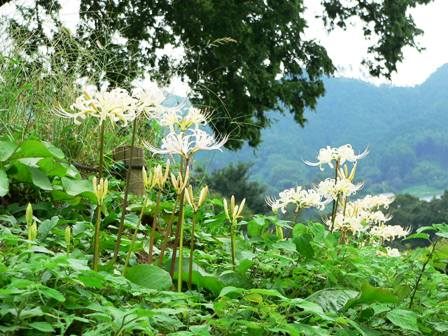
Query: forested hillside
405	129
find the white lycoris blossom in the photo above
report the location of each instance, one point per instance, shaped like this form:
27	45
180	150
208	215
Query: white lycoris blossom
375	201
187	143
331	189
352	223
175	119
389	232
115	105
341	154
302	198
150	98
374	217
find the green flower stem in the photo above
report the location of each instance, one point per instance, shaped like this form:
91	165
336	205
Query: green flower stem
233	243
167	234
101	150
190	271
134	235
181	245
96	246
419	278
153	229
96	253
124	204
336	201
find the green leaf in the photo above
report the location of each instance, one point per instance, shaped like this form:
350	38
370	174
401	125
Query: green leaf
303	245
52	293
370	294
418	236
40	179
4	183
46	226
404	319
149	276
332	300
36	148
6	150
78	187
42	326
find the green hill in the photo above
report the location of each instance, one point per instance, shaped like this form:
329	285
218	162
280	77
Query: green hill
405	129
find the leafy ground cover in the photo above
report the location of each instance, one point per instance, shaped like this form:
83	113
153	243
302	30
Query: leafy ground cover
81	256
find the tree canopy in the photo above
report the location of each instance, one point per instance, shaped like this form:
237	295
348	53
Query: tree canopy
240	58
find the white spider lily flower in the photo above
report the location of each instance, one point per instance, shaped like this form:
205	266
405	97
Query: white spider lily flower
341	154
115	105
389	232
174	119
350	223
150	99
374	217
375	201
329	189
302	198
187	143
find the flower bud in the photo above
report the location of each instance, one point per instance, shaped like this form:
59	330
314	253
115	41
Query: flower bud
68	236
203	196
100	189
29	214
32	231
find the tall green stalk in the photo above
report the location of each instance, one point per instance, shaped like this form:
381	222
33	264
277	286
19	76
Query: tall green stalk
96	245
124	204
420	275
96	253
153	229
233	242
190	270
134	235
167	233
336	201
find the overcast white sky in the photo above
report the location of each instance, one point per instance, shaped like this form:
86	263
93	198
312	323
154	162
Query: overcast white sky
347	49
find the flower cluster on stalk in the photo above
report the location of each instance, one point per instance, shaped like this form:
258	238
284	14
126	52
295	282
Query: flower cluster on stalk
361	216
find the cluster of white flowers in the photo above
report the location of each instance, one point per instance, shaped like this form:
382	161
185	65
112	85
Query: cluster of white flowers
375	201
389	232
331	189
364	215
301	198
185	136
116	105
186	143
342	154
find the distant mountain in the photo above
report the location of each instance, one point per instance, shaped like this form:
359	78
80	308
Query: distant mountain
406	130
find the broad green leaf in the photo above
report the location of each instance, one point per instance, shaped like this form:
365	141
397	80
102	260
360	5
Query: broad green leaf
303	245
46	226
52	293
4	183
78	187
404	319
149	276
417	236
32	148
370	294
230	290
42	326
6	150
332	300
40	179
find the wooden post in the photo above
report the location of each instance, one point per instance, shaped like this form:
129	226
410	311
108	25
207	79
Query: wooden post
136	185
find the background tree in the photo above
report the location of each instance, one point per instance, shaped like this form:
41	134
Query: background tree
234	180
241	58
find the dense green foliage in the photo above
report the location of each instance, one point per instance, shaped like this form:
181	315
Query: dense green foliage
307	285
404	127
241	58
